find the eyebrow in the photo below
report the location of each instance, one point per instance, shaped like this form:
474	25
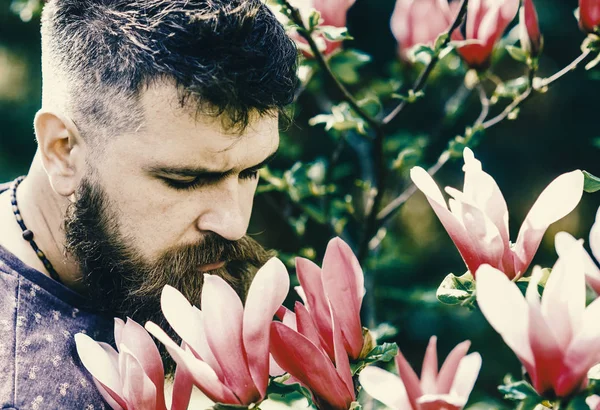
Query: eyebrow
200	172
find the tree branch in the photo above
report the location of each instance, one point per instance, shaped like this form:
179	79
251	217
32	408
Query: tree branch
422	80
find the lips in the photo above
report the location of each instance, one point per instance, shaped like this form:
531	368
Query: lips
211	266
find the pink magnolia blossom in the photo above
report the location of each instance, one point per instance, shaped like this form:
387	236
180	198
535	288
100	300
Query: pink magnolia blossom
486	22
339	287
298	350
556	339
333	13
420	22
593	402
529	26
589	15
131	378
564	242
477	220
447	390
226	345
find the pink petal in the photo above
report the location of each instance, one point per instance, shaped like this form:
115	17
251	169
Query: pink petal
267	292
483	191
142	347
409	378
556	201
447	375
306	325
466	375
139	391
595	237
223	318
475	12
583	352
547	353
563	243
468	250
505	309
440	402
119	324
342	364
385	387
563	302
182	389
317	303
98	362
429	370
343	282
274	369
204	377
310	365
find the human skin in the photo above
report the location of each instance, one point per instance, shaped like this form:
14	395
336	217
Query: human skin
152	216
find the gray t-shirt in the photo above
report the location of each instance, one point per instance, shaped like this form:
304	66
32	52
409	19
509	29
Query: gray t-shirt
39	366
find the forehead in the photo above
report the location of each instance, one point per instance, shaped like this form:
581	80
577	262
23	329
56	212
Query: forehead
173	136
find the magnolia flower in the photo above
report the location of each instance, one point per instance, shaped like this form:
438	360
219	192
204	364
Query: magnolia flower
556	339
477	220
333	13
420	22
337	287
226	345
300	353
447	390
486	22
564	242
132	377
531	37
589	15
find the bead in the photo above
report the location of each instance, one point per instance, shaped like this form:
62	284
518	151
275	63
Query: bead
28	235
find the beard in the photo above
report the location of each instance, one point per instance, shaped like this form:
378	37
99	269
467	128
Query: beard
120	282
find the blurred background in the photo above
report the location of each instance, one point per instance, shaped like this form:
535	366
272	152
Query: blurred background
554	133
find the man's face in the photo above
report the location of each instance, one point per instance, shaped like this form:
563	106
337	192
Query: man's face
167	203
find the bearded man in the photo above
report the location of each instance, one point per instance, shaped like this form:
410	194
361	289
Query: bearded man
156	118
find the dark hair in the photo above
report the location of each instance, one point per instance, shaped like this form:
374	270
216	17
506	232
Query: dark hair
228	57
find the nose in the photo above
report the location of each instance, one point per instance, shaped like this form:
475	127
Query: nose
227	211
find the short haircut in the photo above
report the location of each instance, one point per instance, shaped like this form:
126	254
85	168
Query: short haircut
227	58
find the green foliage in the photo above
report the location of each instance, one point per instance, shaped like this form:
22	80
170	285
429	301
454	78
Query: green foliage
382	353
455	290
591	183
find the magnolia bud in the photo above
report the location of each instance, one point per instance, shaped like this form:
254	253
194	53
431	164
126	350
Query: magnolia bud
531	37
589	15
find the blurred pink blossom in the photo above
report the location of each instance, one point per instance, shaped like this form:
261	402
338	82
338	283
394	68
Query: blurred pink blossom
333	13
477	220
420	22
226	345
529	26
486	22
556	339
447	390
589	15
132	377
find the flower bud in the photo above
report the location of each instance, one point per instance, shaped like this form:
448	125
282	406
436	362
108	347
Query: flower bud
531	37
589	15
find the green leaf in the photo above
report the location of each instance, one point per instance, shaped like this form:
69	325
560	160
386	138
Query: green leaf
381	353
355	406
440	42
347	63
512	88
333	33
411	97
455	290
517	53
277	386
520	391
591	183
577	403
314	19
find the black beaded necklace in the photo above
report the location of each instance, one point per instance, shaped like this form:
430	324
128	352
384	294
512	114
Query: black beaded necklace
27	234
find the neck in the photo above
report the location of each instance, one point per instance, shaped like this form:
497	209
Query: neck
43	212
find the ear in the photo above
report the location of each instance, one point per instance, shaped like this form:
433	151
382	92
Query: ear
62	150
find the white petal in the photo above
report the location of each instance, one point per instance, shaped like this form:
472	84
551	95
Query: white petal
505	309
595	237
98	362
385	387
466	375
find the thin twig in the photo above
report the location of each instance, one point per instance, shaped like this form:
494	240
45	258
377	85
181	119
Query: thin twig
422	80
485	105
